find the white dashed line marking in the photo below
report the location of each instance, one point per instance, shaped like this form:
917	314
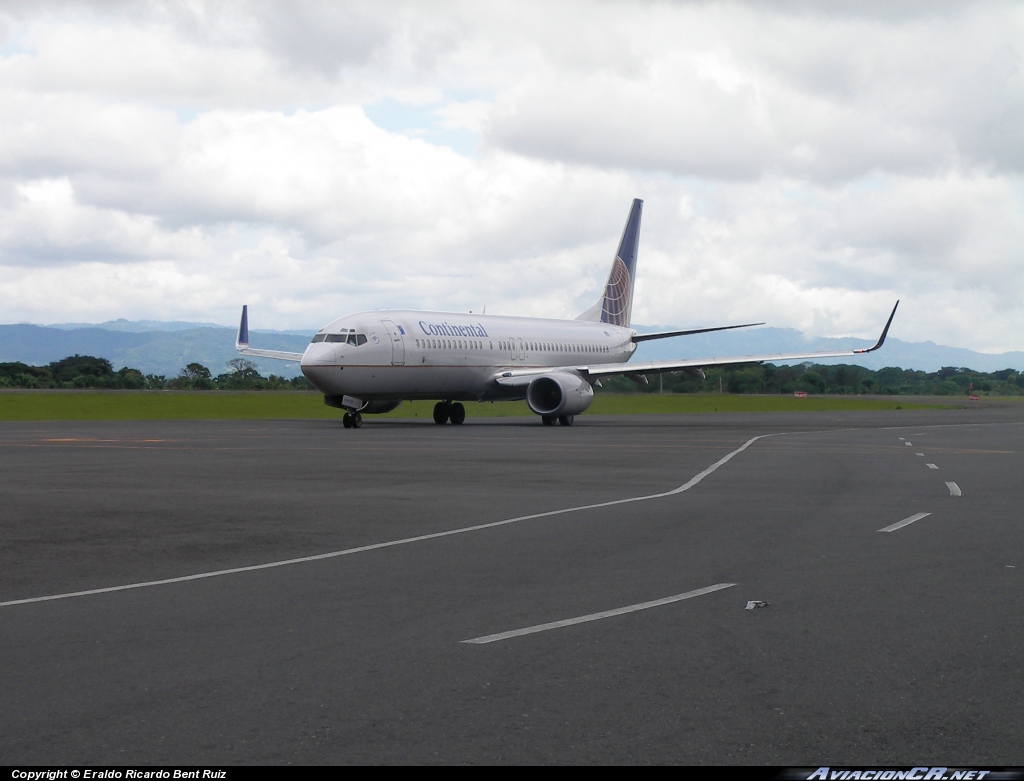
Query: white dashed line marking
392	543
597	616
931	466
909	444
905	522
954	489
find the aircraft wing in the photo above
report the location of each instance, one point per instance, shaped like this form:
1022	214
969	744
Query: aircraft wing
608	369
242	343
666	334
280	355
515	377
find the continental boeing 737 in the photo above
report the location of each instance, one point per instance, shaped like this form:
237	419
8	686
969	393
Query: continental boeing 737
372	361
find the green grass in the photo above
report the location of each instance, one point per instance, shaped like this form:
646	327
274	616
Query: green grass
220	405
160	405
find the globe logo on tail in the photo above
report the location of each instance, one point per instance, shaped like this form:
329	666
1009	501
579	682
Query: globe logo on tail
615	309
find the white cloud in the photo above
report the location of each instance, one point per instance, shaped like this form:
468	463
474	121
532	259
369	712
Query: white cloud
801	163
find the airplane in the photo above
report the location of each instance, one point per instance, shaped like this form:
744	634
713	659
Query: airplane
368	363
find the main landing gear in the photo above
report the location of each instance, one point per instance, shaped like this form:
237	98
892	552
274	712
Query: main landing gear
446	410
565	420
352	420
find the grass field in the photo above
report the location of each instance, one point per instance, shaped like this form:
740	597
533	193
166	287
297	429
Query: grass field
219	405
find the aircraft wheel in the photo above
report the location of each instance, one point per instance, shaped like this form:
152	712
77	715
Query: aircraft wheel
357	420
441	413
346	421
458	414
566	420
549	420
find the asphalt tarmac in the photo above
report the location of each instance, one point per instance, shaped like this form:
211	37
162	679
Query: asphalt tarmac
899	647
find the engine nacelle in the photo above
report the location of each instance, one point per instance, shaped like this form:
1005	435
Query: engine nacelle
559	394
358	405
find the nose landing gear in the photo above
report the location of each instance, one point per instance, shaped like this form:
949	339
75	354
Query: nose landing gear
352	420
446	410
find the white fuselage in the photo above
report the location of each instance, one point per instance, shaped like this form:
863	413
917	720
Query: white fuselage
402	354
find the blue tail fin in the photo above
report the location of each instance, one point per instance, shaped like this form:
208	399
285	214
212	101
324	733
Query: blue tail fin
242	340
616	303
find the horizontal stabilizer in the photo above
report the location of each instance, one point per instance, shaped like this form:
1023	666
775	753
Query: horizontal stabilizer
666	334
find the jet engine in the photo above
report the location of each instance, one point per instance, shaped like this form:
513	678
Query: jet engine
559	394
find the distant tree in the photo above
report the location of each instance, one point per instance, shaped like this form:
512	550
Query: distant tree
243	376
85	366
242	366
195	372
21	375
130	379
195	376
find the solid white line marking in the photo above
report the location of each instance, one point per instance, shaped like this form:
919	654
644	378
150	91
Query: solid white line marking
905	522
392	543
597	616
954	489
931	466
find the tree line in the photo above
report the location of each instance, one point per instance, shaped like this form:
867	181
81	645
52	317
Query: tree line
87	372
80	372
837	380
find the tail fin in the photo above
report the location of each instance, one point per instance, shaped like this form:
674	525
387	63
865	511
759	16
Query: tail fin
242	340
616	303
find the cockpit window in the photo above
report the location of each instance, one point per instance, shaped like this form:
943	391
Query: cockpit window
344	338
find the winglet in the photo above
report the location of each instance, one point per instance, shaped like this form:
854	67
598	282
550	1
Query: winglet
243	329
881	339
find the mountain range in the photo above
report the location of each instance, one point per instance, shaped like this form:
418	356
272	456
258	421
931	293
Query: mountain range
164	348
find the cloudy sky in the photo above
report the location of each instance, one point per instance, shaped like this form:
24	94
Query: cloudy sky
801	163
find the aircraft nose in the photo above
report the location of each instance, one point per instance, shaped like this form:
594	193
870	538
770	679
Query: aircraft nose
323	353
